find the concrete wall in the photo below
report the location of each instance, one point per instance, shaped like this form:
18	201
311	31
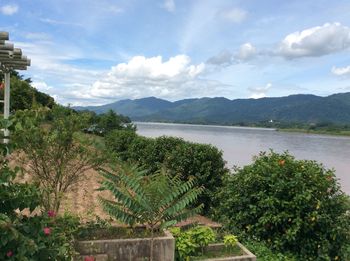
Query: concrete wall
137	249
247	255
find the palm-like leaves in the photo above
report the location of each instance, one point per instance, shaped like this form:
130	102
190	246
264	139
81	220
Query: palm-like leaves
156	200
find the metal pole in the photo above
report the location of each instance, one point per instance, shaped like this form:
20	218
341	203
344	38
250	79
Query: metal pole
7	104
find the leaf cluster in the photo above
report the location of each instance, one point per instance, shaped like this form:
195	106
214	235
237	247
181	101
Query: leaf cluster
156	200
192	241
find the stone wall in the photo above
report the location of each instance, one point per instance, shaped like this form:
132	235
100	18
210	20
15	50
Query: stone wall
137	249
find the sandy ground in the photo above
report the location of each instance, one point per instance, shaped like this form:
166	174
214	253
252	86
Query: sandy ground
82	198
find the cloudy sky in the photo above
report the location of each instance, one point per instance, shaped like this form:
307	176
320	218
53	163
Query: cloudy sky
89	52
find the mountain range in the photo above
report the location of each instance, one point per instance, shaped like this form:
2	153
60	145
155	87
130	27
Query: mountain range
301	108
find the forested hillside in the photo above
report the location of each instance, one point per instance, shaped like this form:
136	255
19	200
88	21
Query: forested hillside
23	95
294	108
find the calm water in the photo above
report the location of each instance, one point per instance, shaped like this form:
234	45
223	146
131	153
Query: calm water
239	145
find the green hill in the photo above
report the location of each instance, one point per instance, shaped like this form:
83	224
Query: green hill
23	95
299	108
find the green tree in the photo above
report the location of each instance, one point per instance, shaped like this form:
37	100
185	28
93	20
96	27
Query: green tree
156	200
110	121
292	205
53	152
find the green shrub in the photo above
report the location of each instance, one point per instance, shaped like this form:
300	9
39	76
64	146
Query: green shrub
204	162
192	241
264	253
38	237
292	205
230	241
120	141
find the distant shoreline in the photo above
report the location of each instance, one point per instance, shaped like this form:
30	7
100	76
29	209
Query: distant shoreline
345	133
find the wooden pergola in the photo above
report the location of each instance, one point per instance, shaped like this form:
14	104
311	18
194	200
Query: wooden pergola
11	58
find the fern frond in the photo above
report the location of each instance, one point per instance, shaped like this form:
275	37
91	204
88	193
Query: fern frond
118	212
185	200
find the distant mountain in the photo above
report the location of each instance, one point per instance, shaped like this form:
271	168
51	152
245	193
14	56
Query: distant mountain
294	108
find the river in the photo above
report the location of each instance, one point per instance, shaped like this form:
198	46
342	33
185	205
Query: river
240	144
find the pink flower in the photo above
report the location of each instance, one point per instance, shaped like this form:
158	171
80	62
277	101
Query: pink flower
51	213
9	253
89	258
47	231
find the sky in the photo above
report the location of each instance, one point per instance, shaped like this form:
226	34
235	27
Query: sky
89	52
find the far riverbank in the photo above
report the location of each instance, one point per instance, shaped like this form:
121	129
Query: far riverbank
327	130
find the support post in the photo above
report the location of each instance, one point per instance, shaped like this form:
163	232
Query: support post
7	104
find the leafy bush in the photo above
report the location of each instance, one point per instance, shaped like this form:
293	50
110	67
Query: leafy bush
204	162
264	252
230	240
292	205
120	141
192	241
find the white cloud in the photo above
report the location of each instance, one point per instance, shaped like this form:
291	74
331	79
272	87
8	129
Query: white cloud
246	52
259	92
223	58
235	15
141	77
316	41
41	86
341	71
169	5
9	9
58	22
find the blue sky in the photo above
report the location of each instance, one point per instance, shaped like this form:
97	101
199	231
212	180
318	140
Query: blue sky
88	52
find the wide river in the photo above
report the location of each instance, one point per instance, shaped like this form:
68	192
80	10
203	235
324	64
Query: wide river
239	145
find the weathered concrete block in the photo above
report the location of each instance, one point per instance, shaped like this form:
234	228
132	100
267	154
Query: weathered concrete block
136	249
247	255
97	257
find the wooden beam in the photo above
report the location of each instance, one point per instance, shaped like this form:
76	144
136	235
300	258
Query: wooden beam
7	47
4	35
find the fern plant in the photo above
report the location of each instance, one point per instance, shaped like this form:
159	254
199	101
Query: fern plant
157	201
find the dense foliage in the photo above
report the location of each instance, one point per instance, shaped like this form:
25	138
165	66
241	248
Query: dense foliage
187	159
53	152
102	124
293	205
35	237
24	96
